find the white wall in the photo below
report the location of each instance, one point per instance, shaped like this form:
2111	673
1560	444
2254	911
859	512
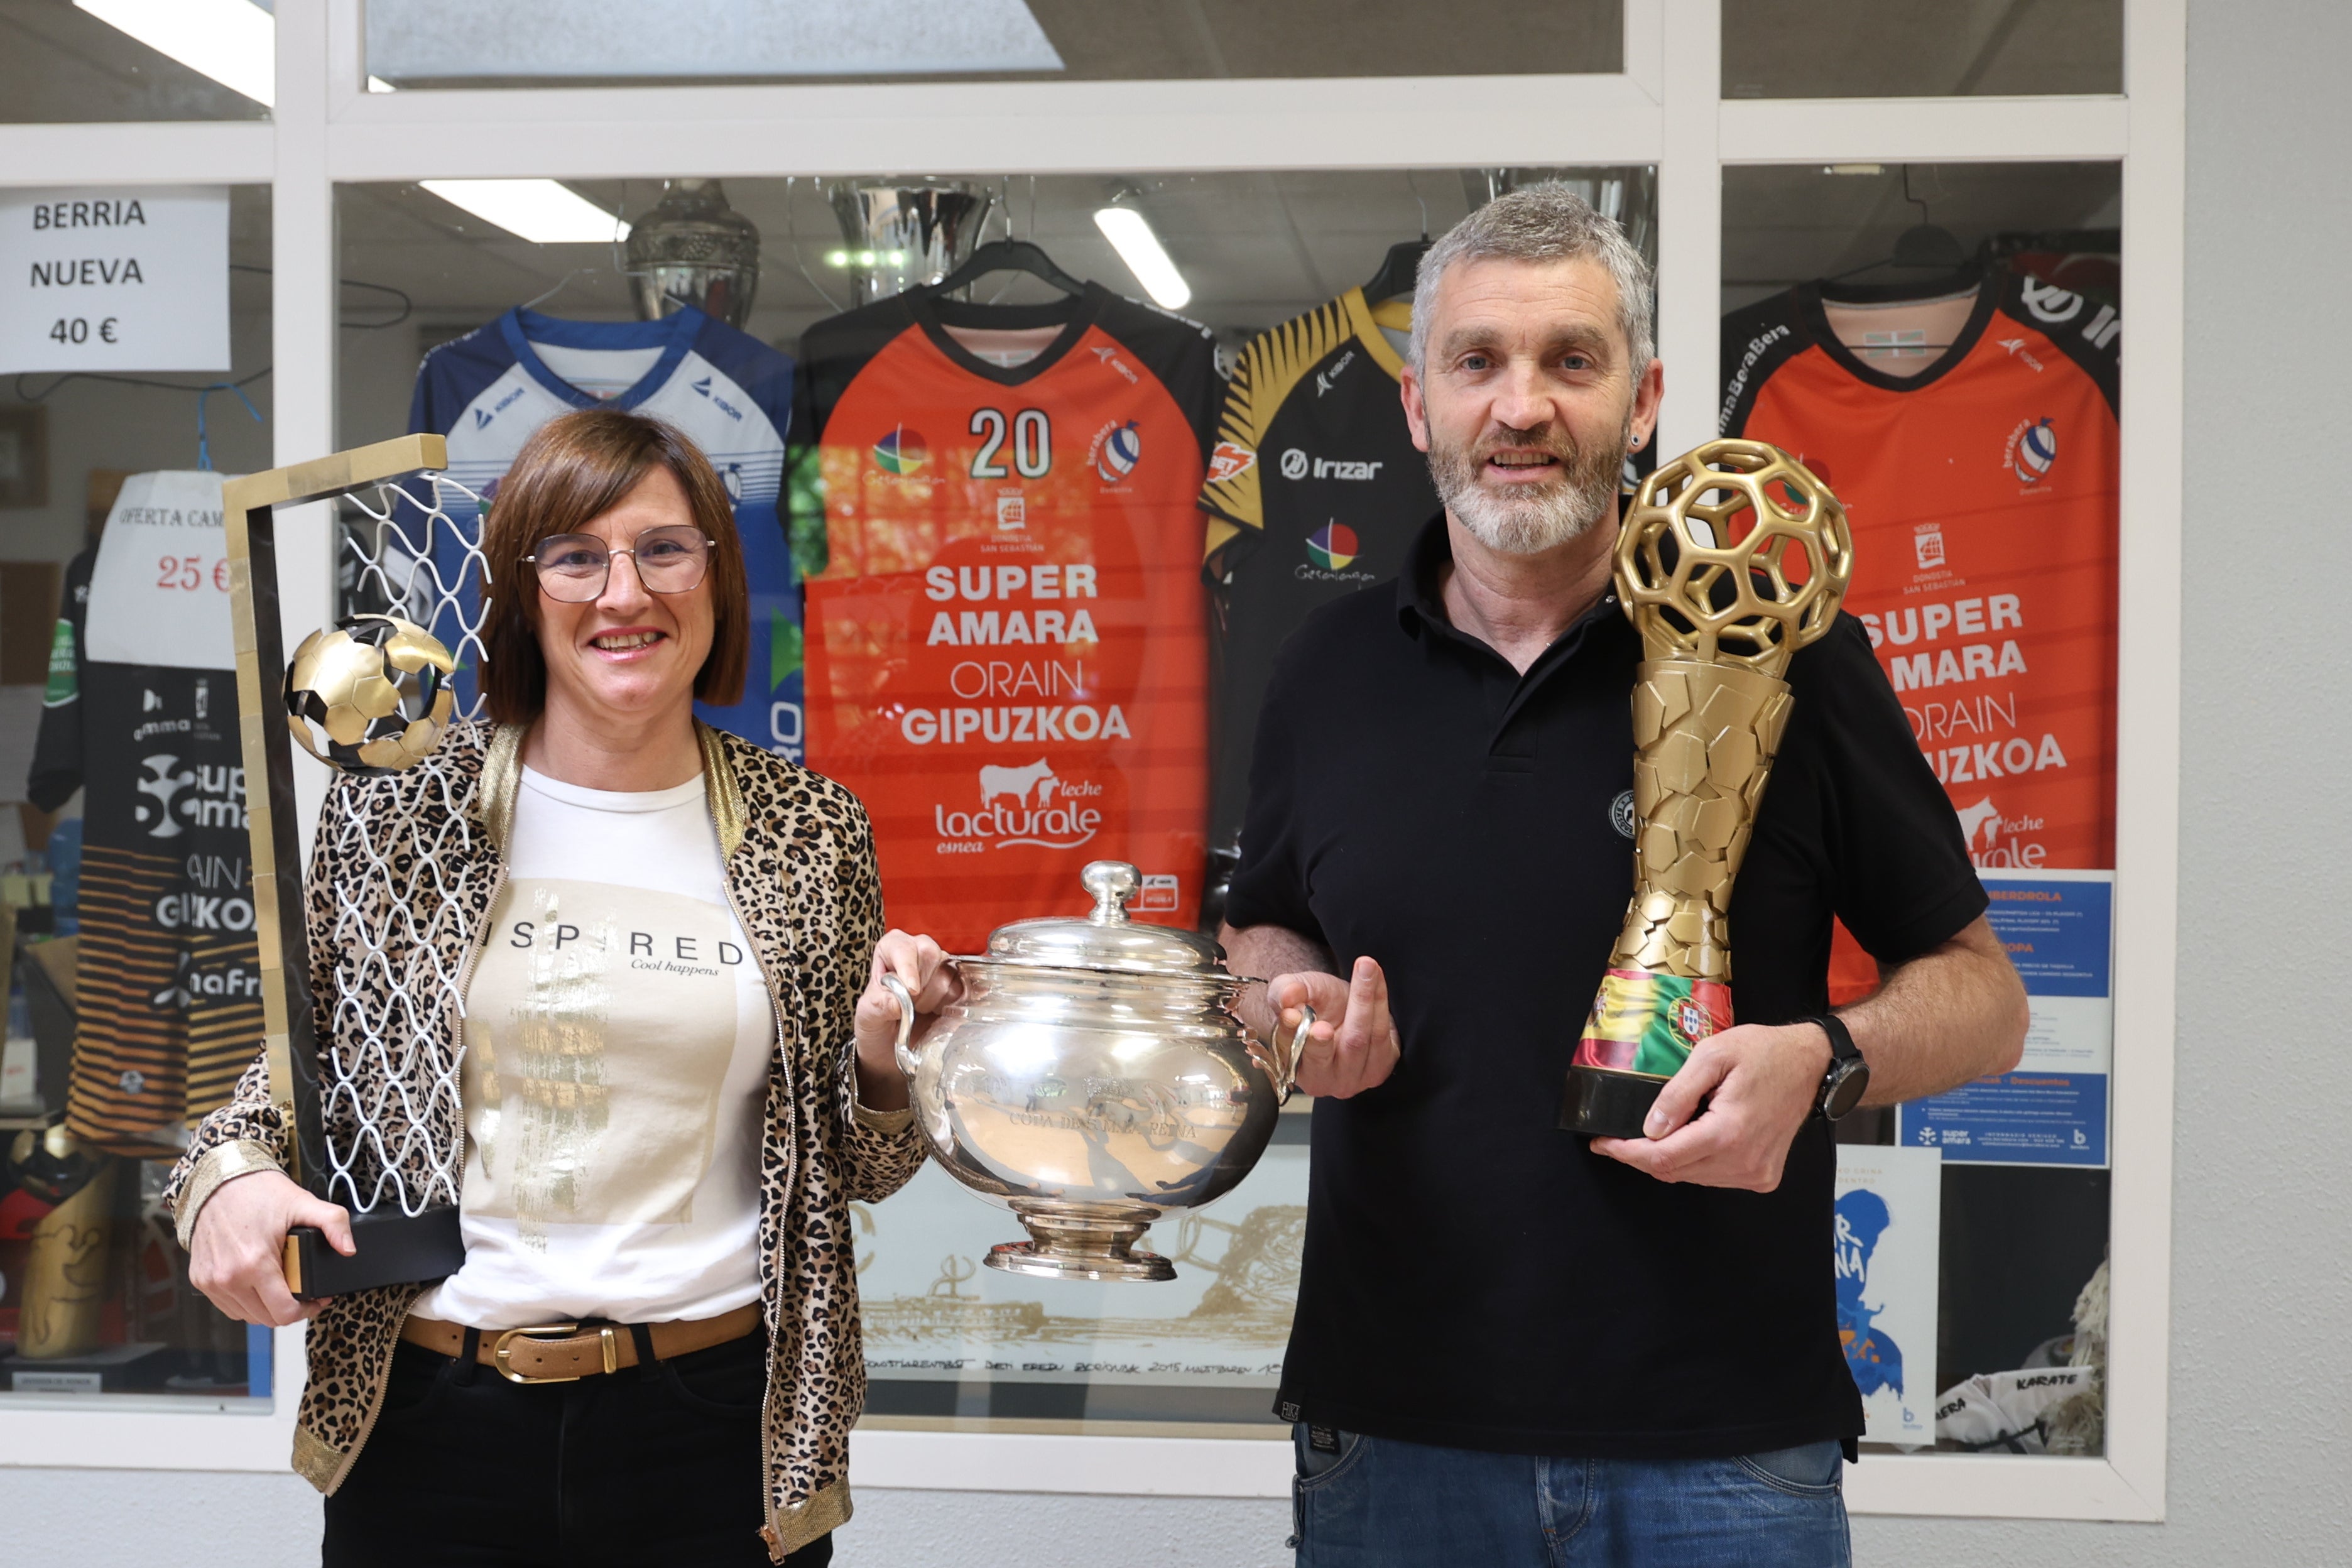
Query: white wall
2262	1290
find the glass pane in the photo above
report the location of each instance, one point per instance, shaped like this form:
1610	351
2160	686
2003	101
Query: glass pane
66	61
951	1342
446	43
126	938
1939	344
1921	48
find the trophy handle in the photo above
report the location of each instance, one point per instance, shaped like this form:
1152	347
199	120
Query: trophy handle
897	989
1282	1065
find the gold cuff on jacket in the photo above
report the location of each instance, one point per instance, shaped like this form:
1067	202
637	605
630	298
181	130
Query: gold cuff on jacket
886	1121
222	1163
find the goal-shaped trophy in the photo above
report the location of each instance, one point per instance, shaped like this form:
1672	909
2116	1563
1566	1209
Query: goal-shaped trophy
370	696
1732	558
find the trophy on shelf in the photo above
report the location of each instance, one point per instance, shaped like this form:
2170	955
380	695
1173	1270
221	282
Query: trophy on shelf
370	696
1732	558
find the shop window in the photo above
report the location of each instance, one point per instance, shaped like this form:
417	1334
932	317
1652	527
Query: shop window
1941	345
858	477
126	933
79	60
1921	48
444	43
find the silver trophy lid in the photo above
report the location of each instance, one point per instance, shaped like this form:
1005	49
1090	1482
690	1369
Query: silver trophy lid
1107	938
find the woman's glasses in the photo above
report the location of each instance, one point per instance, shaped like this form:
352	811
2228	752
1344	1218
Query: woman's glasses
573	567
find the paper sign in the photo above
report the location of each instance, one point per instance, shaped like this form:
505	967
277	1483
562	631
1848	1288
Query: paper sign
1889	1216
159	590
2059	929
114	278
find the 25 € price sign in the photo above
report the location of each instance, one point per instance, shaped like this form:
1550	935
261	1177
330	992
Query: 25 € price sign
119	278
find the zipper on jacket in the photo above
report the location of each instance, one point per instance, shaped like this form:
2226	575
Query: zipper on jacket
784	1213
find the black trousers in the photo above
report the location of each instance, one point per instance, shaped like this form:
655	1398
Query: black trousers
656	1464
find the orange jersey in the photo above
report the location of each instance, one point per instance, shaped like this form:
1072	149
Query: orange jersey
1982	493
1007	655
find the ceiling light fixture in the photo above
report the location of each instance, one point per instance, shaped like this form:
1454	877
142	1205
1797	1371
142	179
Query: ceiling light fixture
1130	234
544	212
235	42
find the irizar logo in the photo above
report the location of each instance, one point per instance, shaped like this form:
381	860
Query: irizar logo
2050	303
1028	805
1298	465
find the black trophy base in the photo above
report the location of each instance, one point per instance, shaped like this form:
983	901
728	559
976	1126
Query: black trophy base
389	1249
1598	1104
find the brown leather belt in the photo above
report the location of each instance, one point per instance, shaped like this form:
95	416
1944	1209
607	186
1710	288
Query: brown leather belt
566	1352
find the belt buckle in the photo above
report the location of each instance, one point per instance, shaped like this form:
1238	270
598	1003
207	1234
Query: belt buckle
537	1331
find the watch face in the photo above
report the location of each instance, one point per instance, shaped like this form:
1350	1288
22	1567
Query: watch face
1845	1090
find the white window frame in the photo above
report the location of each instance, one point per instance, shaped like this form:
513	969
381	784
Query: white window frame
1665	108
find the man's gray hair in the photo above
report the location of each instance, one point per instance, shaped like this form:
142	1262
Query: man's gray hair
1546	222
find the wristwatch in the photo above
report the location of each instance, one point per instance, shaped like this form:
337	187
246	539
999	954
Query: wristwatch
1848	1079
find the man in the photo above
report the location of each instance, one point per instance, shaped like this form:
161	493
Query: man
1514	1346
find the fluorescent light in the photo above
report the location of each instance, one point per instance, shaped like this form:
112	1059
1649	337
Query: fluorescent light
542	211
234	42
1131	237
377	84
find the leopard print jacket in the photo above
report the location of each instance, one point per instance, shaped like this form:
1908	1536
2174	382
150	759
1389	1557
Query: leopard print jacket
800	872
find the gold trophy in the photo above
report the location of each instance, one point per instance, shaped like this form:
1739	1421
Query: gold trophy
1732	558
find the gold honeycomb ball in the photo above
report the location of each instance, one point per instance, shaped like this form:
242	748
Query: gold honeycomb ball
1734	553
370	695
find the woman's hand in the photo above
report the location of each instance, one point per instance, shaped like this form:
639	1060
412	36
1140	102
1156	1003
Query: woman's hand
237	1255
923	968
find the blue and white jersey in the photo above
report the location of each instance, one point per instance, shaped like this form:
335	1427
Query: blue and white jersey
728	392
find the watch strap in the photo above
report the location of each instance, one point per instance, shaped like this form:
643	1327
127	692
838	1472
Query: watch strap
1842	1052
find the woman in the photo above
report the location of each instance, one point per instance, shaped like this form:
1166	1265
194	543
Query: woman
663	1128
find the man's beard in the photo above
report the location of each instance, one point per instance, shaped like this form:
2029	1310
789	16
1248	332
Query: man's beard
1527	519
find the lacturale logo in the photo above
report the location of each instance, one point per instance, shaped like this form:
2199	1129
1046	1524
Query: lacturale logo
902	451
1332	547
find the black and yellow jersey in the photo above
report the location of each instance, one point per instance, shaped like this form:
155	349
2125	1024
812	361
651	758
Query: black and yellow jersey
1315	489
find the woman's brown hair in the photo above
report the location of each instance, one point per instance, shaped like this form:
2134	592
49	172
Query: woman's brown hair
573	469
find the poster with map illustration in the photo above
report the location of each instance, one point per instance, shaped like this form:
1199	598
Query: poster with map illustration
1206	1345
1889	1214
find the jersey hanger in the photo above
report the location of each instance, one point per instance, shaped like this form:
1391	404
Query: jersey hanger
1008	256
1398	270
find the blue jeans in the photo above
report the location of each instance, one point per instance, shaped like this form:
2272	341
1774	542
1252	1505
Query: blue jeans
1381	1504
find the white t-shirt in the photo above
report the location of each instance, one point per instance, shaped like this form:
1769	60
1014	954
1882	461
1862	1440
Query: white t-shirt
618	1036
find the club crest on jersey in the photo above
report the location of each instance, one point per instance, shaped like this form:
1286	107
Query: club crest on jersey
1115	450
2032	448
1229	461
1332	547
902	451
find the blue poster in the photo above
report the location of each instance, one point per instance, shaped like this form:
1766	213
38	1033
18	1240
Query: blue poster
2059	929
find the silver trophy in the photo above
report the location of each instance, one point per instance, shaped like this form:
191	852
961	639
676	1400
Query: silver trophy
903	233
693	250
1093	1077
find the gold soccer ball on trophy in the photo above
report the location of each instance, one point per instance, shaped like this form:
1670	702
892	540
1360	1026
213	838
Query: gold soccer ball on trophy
1733	553
370	695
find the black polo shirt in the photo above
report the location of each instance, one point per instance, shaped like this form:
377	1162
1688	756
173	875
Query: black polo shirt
1474	1277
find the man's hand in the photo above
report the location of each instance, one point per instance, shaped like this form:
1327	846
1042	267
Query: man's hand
1764	1081
1353	1045
237	1255
923	968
